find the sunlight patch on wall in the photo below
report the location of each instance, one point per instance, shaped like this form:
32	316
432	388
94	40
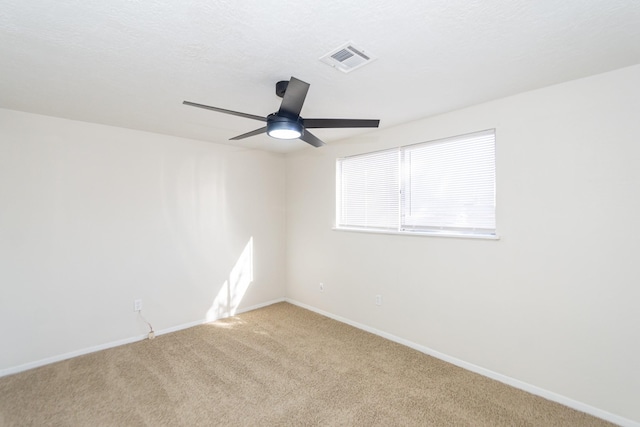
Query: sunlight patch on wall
232	291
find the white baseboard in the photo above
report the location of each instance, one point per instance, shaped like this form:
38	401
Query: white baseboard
549	395
93	349
59	357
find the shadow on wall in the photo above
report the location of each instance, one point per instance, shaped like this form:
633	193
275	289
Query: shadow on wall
226	303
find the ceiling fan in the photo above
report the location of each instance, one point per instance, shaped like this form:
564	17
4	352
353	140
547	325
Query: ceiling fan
286	123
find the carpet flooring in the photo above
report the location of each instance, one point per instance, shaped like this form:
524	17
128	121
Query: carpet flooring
276	366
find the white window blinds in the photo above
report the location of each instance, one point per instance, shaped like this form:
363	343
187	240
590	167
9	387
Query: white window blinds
440	187
449	185
368	188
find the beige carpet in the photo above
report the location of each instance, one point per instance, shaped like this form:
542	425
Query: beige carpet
276	366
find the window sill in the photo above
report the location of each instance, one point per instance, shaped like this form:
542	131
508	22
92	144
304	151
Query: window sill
421	233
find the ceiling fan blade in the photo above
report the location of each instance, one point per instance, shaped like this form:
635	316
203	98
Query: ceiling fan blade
310	138
293	98
222	110
340	123
248	134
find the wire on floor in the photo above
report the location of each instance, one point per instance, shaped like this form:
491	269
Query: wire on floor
151	332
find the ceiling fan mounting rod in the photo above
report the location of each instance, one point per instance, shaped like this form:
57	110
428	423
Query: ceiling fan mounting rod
281	88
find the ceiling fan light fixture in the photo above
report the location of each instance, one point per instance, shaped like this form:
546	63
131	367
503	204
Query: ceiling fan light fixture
284	130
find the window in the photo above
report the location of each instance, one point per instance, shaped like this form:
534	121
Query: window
443	187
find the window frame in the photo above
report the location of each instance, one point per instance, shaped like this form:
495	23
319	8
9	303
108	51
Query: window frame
403	173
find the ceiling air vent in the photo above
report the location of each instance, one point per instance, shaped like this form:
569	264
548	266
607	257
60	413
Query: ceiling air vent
347	58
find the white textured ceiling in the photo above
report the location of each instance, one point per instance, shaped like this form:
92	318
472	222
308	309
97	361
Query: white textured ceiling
131	63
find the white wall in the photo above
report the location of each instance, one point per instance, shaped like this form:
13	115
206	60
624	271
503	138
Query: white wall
554	302
93	217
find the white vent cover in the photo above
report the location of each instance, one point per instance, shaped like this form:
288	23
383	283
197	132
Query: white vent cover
347	58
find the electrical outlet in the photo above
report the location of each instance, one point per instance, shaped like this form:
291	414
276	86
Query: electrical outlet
378	299
321	287
137	305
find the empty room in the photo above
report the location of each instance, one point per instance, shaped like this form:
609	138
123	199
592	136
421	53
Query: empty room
355	213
